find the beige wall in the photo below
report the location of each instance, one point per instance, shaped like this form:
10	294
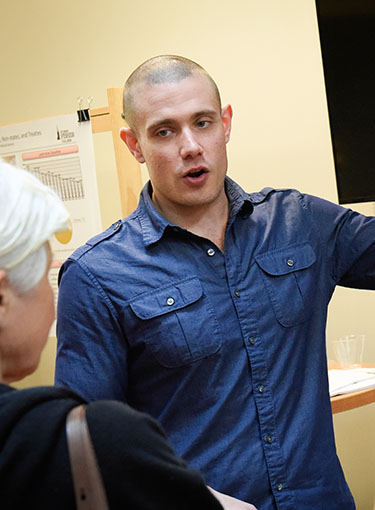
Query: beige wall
265	57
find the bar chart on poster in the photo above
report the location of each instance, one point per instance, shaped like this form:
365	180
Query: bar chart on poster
59	151
64	176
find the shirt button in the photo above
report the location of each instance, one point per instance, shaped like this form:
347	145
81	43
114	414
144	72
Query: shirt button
279	486
252	340
170	301
261	388
211	252
290	262
269	439
237	293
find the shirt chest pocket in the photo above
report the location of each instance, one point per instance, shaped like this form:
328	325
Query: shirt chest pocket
178	323
289	275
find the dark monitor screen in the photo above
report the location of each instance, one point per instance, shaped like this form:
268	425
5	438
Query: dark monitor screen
347	38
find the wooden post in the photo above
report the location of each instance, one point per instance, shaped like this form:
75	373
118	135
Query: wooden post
109	118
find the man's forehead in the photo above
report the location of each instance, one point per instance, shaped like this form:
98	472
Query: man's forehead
154	97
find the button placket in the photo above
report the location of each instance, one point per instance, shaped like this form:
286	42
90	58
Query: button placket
249	323
271	447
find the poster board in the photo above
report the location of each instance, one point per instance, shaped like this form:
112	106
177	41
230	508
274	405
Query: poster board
59	151
103	119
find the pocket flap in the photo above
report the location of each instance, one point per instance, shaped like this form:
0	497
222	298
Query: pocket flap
286	260
167	299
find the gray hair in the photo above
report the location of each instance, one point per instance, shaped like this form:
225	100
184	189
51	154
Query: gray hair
30	213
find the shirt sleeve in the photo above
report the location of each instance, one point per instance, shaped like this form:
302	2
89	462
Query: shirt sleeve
91	349
139	467
349	243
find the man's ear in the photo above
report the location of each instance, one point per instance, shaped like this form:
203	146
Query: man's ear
226	117
128	136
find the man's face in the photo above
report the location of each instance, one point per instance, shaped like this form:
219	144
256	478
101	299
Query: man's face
182	136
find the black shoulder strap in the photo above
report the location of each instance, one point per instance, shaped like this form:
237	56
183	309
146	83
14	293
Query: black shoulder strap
88	484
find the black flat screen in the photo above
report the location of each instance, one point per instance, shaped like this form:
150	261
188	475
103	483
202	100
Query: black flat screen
347	37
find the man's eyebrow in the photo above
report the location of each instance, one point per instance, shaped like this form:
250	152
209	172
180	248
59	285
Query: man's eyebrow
202	113
168	122
160	123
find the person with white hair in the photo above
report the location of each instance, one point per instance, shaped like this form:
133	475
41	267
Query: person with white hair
139	468
29	215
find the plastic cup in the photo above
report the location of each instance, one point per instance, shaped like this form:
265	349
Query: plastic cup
349	350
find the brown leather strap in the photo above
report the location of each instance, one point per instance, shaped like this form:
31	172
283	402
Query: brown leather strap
88	485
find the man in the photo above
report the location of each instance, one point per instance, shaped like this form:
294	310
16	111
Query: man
207	306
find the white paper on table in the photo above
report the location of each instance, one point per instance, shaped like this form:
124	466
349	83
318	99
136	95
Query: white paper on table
350	380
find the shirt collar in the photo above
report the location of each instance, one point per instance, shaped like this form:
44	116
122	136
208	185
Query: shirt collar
154	224
239	200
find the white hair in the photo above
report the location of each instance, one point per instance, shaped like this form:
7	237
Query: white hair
30	213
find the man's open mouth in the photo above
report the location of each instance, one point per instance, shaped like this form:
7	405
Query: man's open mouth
196	173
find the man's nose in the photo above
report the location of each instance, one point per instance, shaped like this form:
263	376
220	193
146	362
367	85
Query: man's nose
190	146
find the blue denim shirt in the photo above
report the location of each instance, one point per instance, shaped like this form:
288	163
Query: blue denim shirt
226	350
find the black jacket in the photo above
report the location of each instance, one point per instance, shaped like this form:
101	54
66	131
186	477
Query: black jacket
139	468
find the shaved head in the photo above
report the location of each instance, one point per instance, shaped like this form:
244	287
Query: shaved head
155	71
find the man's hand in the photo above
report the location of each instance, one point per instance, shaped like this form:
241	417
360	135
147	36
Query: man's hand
230	503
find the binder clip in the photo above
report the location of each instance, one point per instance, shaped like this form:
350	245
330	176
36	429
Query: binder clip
83	113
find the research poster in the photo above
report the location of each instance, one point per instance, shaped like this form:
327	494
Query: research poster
59	151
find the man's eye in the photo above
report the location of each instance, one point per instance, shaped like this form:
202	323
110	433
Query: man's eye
202	123
163	133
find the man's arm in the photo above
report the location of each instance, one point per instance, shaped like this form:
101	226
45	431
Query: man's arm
91	350
349	239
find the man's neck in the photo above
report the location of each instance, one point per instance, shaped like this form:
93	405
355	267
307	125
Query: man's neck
208	221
